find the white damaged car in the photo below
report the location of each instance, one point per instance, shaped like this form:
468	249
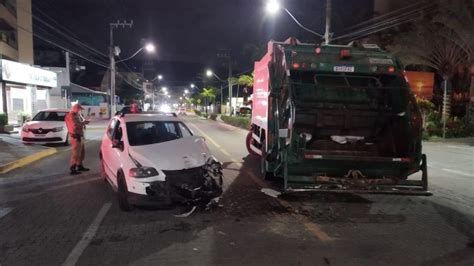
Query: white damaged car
155	158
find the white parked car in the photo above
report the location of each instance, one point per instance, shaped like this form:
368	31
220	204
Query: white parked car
155	158
47	126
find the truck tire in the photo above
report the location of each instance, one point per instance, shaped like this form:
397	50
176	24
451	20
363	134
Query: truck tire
248	142
263	167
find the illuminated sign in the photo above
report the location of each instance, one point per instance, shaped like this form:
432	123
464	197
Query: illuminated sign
421	83
25	74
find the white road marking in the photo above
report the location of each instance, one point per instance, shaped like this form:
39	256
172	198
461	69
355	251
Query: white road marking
49	190
457	172
5	211
88	236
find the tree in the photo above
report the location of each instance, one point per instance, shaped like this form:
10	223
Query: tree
442	42
208	94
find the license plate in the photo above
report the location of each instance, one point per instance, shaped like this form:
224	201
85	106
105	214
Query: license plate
40	135
344	69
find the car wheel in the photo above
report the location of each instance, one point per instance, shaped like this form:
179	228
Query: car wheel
66	142
122	193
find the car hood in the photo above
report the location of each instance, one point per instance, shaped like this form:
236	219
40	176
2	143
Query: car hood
185	153
45	124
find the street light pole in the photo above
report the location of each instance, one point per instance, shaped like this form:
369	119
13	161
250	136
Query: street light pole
327	34
230	85
112	62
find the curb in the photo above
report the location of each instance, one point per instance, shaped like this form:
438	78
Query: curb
27	160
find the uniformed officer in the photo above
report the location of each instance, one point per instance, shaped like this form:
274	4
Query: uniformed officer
75	126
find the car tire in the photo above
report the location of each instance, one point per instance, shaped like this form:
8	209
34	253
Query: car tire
122	193
66	142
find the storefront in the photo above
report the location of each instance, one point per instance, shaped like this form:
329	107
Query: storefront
25	89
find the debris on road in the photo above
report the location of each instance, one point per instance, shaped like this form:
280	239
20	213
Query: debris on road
271	192
186	214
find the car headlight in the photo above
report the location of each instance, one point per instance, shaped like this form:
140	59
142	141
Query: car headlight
25	129
58	129
142	172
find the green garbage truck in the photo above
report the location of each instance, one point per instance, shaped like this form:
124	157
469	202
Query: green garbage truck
336	118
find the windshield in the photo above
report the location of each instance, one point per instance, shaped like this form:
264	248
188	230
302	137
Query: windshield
152	132
50	116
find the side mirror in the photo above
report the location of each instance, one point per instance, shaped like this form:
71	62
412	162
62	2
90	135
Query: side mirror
117	144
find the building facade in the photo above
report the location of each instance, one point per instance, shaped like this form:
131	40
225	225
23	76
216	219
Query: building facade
16	31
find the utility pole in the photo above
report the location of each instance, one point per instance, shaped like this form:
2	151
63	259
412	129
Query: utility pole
222	99
230	85
112	53
327	34
68	88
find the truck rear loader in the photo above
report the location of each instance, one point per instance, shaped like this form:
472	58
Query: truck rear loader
336	118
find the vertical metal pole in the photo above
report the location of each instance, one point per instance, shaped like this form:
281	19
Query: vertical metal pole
112	73
230	85
68	73
4	100
445	104
327	34
222	99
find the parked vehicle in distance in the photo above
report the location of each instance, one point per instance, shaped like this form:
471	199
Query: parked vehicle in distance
47	126
244	111
182	111
153	158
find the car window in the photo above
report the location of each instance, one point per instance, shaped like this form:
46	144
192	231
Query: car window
185	132
50	116
152	132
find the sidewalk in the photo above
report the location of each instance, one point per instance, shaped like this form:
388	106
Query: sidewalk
458	141
14	154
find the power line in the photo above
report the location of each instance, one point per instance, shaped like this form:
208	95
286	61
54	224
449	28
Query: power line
388	23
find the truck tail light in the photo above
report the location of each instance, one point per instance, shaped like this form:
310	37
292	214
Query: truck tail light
345	53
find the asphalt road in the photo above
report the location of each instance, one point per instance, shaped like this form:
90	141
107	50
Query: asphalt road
49	218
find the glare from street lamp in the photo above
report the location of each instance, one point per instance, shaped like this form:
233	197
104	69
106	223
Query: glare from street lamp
192	85
160	77
169	96
180	98
164	88
150	47
209	73
272	6
186	91
166	93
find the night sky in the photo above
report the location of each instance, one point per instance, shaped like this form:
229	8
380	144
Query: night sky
192	31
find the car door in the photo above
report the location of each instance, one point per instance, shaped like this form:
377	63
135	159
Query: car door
108	153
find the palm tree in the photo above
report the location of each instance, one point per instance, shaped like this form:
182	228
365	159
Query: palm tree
208	94
442	42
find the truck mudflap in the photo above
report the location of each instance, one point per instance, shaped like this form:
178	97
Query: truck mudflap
355	182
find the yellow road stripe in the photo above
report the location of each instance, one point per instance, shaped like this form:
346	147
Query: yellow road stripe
27	160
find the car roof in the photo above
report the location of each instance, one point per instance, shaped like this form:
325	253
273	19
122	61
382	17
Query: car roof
148	117
55	110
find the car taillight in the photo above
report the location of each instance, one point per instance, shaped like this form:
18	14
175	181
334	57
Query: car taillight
142	172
